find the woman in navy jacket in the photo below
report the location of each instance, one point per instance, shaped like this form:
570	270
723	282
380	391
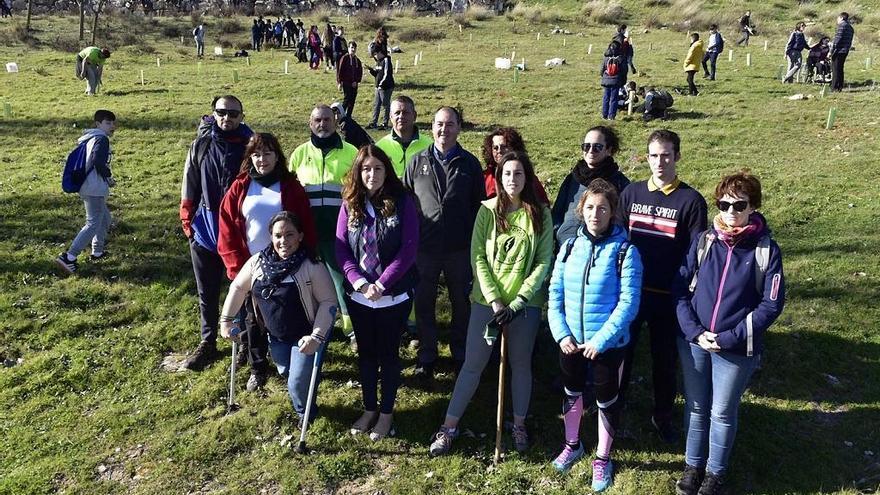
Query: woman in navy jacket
729	290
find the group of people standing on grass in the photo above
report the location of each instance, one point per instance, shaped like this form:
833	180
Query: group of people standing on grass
364	234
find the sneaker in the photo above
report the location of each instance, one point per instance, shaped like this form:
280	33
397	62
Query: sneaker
353	345
384	428
568	457
442	441
99	256
204	355
520	438
690	481
668	433
364	423
713	484
65	264
603	474
256	382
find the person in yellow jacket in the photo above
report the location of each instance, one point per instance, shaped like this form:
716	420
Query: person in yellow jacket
404	141
321	164
692	62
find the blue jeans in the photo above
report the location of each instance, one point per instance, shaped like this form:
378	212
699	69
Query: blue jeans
609	102
714	383
297	368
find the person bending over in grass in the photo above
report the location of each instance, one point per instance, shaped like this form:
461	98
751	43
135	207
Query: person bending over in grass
93	192
728	291
511	254
294	295
264	187
377	237
90	66
594	296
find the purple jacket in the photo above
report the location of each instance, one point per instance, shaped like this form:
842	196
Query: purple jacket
398	242
725	300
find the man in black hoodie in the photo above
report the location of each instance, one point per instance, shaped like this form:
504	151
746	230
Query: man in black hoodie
384	74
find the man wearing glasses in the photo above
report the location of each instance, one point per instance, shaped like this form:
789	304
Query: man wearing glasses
212	163
663	215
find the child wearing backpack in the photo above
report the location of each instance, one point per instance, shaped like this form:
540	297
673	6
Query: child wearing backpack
594	295
729	290
93	184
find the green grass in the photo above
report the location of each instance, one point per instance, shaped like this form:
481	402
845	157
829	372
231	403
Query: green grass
88	411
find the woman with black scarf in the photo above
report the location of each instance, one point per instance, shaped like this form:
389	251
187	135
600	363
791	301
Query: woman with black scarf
295	298
264	187
599	146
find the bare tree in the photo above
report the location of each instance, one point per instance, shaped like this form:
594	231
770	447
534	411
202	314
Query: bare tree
98	10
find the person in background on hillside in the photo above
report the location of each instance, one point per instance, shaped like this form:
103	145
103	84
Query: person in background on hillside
93	192
212	163
498	143
404	140
511	254
302	42
340	45
726	301
626	49
349	73
692	62
199	36
598	148
90	66
818	64
663	215
5	8
589	311
384	74
379	43
329	35
745	26
628	93
278	32
446	180
315	51
613	76
840	48
352	132
657	104
321	164
256	35
377	237
289	32
294	294
264	187
797	42
716	46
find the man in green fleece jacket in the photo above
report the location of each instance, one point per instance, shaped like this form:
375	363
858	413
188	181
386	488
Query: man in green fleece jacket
90	66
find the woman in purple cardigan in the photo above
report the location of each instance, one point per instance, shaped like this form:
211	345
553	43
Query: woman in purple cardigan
377	236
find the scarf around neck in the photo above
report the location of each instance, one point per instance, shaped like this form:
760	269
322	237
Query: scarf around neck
325	144
732	235
604	170
275	269
265	180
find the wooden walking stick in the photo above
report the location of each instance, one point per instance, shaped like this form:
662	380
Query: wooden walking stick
499	416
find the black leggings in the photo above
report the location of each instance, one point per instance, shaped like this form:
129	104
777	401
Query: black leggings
606	374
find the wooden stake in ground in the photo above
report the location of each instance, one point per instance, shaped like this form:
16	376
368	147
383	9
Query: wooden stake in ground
471	37
7	110
512	56
629	109
730	55
832	114
748	59
499	414
824	91
650	46
460	29
515	74
590	49
420	57
235	75
158	62
563	41
248	61
142	77
397	65
286	67
765	45
416	60
868	63
538	38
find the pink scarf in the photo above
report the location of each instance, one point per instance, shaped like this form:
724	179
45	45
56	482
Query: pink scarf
732	235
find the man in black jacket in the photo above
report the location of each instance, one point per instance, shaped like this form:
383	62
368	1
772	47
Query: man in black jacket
448	182
840	48
745	25
384	74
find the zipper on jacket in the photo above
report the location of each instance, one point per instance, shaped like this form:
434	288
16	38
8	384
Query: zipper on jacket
721	288
586	277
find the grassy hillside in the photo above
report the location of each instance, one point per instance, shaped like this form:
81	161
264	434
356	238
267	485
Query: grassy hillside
85	408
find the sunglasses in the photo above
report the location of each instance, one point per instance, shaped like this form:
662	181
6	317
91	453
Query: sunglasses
738	206
500	147
597	147
223	112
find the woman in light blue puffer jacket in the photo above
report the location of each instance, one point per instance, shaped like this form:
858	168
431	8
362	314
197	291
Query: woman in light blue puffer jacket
594	296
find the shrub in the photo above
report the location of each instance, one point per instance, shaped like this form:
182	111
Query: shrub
370	20
128	38
171	31
535	14
478	12
142	49
462	19
225	41
604	11
229	26
421	34
657	3
66	44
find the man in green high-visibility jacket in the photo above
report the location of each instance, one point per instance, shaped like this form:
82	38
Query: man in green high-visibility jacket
321	164
404	141
90	66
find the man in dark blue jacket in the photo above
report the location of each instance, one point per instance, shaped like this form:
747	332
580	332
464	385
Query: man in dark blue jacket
840	48
212	163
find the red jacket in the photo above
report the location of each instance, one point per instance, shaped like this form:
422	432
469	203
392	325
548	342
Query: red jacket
489	177
349	70
232	243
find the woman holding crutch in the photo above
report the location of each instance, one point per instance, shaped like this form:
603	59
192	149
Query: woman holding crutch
594	296
294	298
511	252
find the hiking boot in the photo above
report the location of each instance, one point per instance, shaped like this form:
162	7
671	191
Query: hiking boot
668	433
442	441
66	264
520	438
603	474
241	358
256	382
204	355
713	484
568	457
690	481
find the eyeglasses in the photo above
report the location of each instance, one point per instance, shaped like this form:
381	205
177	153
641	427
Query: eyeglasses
597	147
738	206
223	112
500	147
